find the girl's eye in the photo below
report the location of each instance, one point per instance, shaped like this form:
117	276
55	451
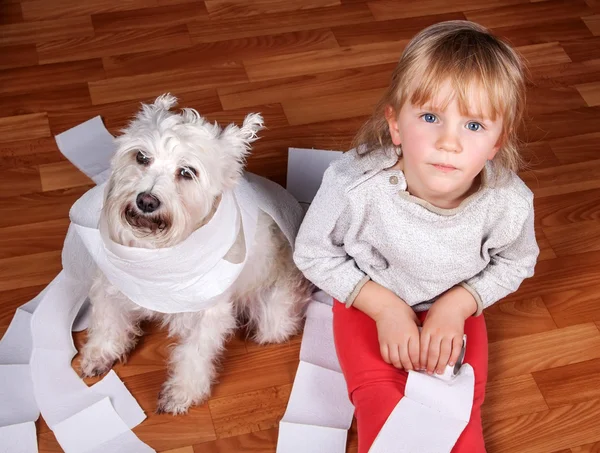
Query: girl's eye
142	159
187	173
429	117
474	126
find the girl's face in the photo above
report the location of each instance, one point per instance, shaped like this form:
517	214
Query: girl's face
443	150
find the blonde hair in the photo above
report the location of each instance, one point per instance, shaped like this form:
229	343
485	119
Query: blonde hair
467	55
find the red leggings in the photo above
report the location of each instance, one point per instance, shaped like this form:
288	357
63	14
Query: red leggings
375	387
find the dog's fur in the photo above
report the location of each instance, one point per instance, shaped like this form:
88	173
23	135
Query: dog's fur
186	163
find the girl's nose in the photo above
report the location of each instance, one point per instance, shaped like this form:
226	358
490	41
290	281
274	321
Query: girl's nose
449	142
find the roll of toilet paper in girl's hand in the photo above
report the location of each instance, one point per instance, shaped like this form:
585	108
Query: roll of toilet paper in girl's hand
450	372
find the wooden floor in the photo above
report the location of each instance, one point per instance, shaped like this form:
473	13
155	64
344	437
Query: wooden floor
314	68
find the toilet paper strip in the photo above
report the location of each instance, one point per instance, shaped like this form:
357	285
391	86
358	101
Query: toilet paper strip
18	438
319	412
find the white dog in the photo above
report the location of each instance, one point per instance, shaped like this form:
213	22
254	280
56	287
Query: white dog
169	173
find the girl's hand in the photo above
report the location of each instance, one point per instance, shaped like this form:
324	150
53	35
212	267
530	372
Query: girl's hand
398	332
443	329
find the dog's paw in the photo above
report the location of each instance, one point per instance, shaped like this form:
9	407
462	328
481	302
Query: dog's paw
98	366
176	400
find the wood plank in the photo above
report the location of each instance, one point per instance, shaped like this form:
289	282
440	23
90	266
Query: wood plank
18	56
538	155
276	23
546	251
102	44
29	270
46	30
247	412
563	124
19	181
220	52
516	318
117	115
390	9
35	78
332	107
33	238
583	49
574	238
278	363
388	30
566	74
563	179
27	153
188	449
228	9
13	299
541	351
511	397
559	30
40	9
153	17
550	430
62	175
556	275
23	127
529	13
38	207
570	384
47	100
163	431
567	208
542	100
574	306
593	23
301	87
579	148
589	448
590	92
550	53
175	80
259	441
10	12
323	60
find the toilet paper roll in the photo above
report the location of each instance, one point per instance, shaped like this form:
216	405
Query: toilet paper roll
450	372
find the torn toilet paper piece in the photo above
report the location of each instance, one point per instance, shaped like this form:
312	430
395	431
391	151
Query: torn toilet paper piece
19	438
90	146
294	437
430	417
82	432
305	171
319	397
317	345
17	403
319	412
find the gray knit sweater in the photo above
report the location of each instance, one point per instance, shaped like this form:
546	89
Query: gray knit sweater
363	225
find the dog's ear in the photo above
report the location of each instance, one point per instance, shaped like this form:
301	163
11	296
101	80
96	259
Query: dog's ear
165	102
240	138
237	142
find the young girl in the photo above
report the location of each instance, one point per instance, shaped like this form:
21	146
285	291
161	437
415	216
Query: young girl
425	223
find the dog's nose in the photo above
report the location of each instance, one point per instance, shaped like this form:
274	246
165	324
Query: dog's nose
147	202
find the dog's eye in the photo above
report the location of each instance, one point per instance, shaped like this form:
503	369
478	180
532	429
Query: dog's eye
187	172
142	159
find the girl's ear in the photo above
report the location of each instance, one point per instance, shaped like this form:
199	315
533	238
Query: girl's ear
392	119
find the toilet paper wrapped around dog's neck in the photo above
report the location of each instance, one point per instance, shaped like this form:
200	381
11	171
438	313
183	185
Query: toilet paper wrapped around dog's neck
192	274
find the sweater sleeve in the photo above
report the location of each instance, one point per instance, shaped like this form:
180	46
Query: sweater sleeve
319	251
509	265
